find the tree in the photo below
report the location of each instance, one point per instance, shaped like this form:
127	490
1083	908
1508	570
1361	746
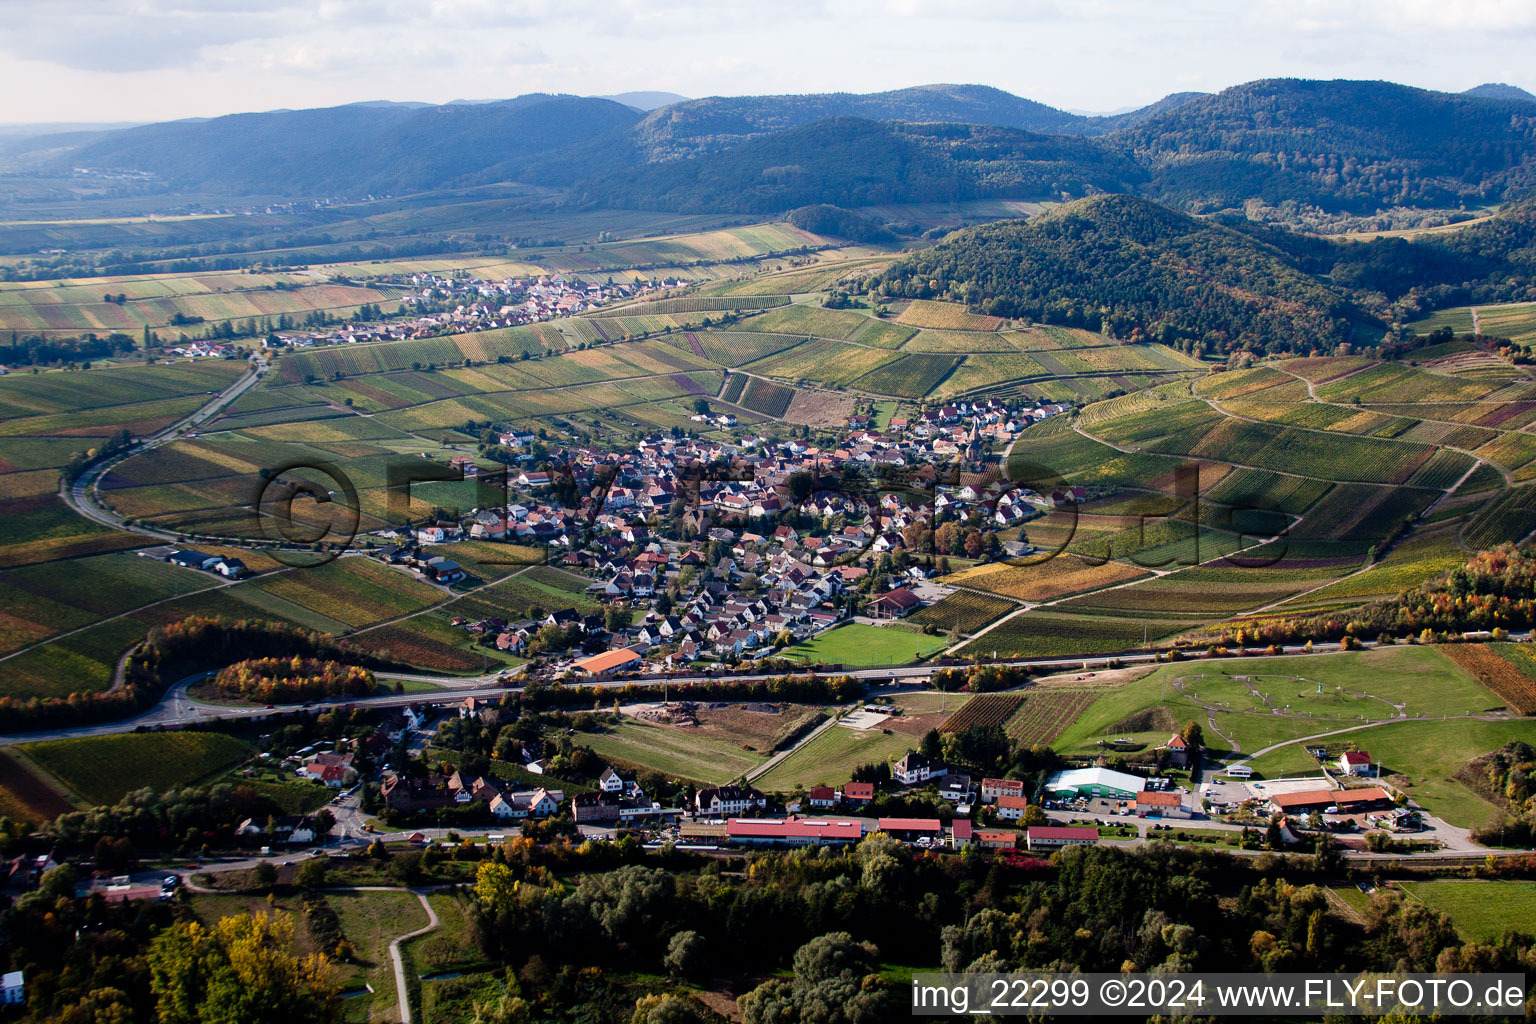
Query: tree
834	983
1193	736
312	873
240	970
932	746
686	954
263	875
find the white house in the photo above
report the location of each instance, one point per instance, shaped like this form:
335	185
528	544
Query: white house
13	986
915	768
610	782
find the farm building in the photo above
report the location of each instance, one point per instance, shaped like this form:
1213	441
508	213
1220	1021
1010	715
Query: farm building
443	570
1095	782
792	832
1348	801
960	833
1166	804
1055	837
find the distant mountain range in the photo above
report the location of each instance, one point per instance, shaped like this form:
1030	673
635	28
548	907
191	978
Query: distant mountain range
1346	146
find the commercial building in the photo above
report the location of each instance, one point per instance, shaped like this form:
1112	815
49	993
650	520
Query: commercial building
1090	783
1046	838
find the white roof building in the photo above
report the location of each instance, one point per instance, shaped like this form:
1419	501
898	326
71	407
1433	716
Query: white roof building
1095	782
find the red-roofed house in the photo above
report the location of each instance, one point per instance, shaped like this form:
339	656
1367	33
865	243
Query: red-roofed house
991	789
821	796
893	604
1164	804
1178	750
857	794
1356	762
960	832
996	839
1011	808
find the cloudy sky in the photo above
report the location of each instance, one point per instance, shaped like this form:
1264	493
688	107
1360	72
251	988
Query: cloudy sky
105	60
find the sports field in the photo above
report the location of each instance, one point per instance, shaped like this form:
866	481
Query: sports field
859	644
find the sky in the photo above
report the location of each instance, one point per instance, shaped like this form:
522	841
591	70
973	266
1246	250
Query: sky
148	60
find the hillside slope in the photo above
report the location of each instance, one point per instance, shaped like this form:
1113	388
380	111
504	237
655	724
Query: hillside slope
854	162
1341	145
1136	270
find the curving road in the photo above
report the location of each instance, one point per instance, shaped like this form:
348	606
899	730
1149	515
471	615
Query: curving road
83	497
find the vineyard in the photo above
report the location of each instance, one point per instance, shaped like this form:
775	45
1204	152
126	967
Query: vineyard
911	376
1045	716
1510	518
1512	676
983	712
767	398
946	316
962	611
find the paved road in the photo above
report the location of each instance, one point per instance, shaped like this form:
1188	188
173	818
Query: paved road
83	497
176	708
401	987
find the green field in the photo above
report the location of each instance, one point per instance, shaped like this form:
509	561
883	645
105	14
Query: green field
857	644
831	757
673	752
1481	910
103	769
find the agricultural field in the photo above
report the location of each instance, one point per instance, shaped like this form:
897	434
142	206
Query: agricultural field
961	611
40	601
986	711
911	376
1048	580
1045	634
856	644
1045	715
217	299
27	795
354	591
1509	670
947	316
1482	911
1516	321
104	769
676	752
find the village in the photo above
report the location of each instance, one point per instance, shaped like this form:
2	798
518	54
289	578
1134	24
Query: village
433	304
727	551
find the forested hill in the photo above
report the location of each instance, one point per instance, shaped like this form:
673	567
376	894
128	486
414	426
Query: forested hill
1334	149
853	162
1137	270
358	148
1340	145
720	122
